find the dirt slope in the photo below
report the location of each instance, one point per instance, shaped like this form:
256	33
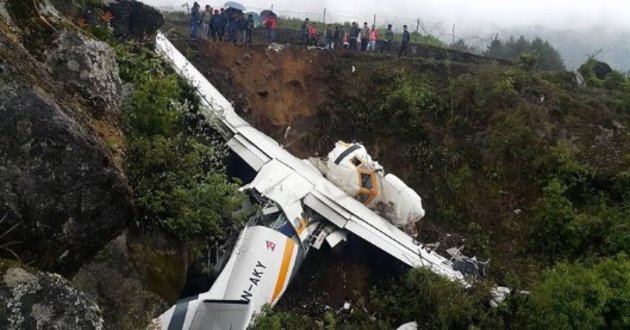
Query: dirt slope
272	89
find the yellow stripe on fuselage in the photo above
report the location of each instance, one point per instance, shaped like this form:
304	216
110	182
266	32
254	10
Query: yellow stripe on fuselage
284	269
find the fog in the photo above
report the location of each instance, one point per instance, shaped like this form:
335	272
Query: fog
558	14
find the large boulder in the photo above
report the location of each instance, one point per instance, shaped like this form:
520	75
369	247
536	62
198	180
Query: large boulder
88	67
37	300
61	198
134	20
602	69
123	296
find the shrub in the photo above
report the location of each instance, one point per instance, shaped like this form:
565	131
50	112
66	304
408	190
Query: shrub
433	302
552	230
176	171
615	81
574	296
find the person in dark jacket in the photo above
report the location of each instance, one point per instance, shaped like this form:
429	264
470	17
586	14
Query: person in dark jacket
241	23
304	31
389	38
226	23
218	26
329	38
195	17
337	35
250	28
365	35
404	43
232	27
352	37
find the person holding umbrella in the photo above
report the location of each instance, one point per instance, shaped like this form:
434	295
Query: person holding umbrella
233	11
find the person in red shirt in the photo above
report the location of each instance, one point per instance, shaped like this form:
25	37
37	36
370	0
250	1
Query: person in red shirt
270	25
373	37
312	34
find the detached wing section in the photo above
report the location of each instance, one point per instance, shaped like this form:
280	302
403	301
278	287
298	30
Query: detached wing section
264	154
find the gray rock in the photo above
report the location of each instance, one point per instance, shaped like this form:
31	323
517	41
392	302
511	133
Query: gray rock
60	195
37	300
111	279
602	69
135	20
88	67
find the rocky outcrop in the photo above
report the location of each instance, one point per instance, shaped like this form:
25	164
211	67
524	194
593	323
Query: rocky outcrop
88	67
111	279
602	69
60	195
37	300
135	20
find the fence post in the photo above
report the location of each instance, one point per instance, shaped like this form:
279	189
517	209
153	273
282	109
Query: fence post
453	34
418	26
324	17
374	22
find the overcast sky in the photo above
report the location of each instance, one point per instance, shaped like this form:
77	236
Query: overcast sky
571	14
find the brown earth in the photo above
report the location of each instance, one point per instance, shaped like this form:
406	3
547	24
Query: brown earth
277	91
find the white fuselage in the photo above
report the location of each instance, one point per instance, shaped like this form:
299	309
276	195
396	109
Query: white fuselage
259	269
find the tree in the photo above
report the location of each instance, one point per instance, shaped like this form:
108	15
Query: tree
496	49
548	58
461	46
574	296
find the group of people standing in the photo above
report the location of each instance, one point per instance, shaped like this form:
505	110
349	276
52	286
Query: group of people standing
361	39
231	25
216	23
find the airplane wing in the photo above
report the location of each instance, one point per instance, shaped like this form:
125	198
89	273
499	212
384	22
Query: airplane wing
264	154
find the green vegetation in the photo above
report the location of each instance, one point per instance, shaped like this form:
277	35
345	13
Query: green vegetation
537	52
614	80
574	296
176	170
570	296
529	167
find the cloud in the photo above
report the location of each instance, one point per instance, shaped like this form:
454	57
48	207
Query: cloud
562	14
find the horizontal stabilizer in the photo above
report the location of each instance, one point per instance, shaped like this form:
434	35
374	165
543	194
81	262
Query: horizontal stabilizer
221	314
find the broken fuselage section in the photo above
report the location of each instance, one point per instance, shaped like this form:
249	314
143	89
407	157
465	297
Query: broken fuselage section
351	168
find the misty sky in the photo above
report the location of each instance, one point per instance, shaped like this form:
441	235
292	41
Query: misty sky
564	14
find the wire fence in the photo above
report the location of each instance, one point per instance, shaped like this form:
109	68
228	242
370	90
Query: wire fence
449	33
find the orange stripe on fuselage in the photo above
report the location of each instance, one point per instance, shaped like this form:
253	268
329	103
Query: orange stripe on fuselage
284	269
302	226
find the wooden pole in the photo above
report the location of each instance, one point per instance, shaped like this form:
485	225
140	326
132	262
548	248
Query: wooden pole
453	34
324	16
374	22
418	26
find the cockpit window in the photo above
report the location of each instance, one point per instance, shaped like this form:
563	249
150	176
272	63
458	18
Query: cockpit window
366	181
363	197
368	191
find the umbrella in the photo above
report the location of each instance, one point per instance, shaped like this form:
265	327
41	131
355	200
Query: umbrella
234	5
266	13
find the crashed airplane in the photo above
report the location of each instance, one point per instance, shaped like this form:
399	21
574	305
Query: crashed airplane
304	203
